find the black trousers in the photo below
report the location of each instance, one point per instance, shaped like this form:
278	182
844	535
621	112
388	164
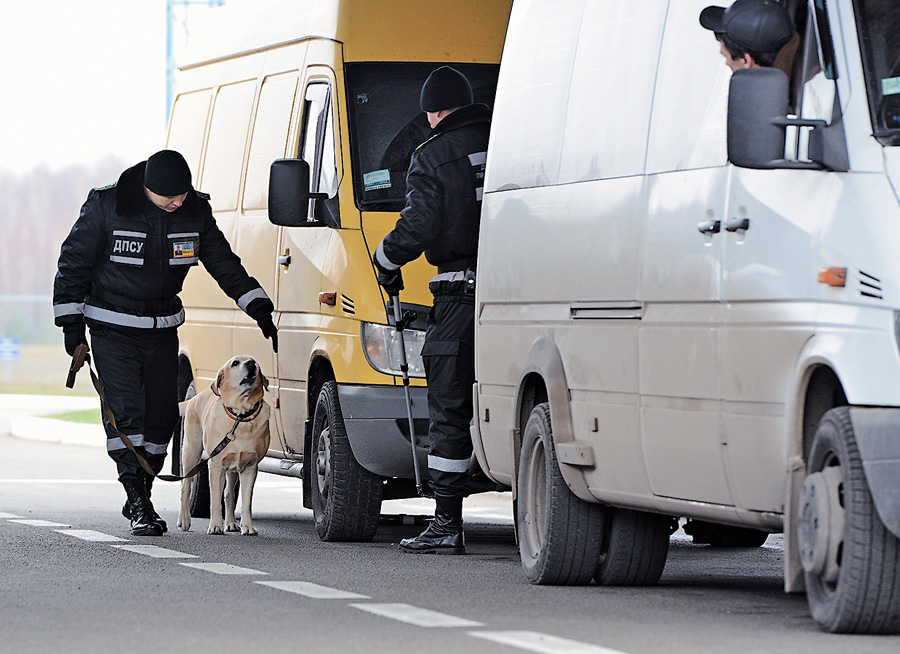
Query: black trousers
138	373
449	356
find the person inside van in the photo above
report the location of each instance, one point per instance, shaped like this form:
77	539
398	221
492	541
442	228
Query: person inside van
751	33
443	207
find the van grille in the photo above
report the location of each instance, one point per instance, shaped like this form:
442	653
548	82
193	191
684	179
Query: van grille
347	305
870	286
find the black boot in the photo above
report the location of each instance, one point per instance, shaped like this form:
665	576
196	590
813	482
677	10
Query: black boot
143	521
148	485
445	533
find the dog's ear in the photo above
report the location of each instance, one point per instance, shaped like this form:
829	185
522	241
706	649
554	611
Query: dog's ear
263	381
215	385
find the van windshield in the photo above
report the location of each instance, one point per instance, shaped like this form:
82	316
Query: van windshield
386	124
878	23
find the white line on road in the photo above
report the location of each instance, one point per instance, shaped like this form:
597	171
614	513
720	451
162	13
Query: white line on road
543	643
224	569
155	552
9	515
311	590
90	534
58	481
416	616
40	523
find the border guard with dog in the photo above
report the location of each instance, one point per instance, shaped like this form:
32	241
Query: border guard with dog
120	271
443	207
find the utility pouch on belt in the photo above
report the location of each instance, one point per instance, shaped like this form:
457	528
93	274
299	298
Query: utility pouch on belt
453	283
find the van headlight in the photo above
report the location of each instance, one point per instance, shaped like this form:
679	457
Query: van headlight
381	343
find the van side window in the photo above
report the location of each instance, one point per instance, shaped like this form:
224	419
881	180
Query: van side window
221	176
317	149
270	135
818	74
188	125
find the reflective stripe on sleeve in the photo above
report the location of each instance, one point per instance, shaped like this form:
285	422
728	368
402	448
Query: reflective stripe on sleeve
248	297
447	465
382	259
70	309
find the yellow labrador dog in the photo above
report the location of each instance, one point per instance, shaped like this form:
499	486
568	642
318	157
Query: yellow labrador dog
228	423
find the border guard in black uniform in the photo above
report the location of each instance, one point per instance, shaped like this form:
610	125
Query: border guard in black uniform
443	206
120	271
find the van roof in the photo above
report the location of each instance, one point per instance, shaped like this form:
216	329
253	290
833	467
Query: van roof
370	30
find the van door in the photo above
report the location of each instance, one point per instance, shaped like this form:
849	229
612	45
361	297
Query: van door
770	273
303	257
681	259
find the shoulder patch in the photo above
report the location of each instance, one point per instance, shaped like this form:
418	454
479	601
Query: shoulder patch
105	188
202	195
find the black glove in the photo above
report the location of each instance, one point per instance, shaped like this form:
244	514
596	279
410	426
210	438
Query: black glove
261	310
391	280
73	333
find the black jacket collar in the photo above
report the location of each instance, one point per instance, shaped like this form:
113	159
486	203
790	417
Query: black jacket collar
469	115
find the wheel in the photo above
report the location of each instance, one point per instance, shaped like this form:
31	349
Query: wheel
558	533
199	497
851	562
346	498
634	550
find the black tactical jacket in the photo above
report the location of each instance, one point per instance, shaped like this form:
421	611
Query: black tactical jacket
125	260
443	195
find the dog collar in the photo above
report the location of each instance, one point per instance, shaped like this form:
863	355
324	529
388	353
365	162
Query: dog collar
247	415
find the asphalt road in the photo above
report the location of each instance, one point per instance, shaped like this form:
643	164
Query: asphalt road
77	581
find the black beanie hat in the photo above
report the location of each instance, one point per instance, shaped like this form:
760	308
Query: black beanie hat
445	88
167	173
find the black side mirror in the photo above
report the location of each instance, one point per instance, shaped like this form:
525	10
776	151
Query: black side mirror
289	194
757	107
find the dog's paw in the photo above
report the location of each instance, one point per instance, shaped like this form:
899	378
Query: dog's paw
184	524
232	526
248	531
215	530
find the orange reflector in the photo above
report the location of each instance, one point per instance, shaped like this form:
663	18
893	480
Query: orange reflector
833	276
328	297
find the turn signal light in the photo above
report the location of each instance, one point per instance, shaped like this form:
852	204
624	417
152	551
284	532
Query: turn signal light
328	297
833	276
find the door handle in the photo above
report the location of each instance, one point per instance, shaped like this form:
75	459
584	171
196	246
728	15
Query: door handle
284	260
709	227
736	224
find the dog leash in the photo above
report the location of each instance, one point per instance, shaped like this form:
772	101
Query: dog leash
81	357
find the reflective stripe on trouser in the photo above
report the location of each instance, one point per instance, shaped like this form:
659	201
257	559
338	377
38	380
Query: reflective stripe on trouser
139	377
449	356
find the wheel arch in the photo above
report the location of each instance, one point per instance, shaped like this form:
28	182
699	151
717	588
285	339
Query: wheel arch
543	379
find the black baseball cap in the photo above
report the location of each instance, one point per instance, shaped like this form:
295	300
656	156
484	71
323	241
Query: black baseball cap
755	25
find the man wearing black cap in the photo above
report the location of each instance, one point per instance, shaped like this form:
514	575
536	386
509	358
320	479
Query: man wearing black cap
120	271
751	32
443	205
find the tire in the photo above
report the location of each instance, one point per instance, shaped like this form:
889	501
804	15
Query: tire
558	533
635	547
199	497
852	582
346	498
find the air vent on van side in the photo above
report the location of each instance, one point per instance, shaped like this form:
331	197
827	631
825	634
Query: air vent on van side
870	286
347	305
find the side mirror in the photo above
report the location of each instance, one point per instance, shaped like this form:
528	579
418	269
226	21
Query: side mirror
289	194
757	108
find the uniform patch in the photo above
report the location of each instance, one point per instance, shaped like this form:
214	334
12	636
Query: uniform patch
106	188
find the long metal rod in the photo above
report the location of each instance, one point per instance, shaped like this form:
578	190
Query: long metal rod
404	368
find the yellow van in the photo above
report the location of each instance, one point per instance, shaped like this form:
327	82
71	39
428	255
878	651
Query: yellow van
333	85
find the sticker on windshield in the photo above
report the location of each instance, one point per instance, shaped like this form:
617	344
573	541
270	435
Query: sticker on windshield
890	86
377	179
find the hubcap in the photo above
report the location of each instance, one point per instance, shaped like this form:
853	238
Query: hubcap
821	528
323	463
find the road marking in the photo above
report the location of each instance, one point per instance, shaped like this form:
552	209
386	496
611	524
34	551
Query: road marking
90	534
416	616
58	481
311	590
9	515
543	643
40	523
224	569
155	552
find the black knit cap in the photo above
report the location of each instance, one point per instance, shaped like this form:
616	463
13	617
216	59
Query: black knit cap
167	173
445	88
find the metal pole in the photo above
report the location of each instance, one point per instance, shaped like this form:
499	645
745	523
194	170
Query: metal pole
400	325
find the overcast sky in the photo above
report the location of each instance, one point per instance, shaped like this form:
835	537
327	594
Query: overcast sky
82	79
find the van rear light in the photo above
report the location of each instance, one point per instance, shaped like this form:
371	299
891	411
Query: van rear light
833	276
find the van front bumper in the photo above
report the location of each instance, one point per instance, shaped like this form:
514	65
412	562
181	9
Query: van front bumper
377	426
